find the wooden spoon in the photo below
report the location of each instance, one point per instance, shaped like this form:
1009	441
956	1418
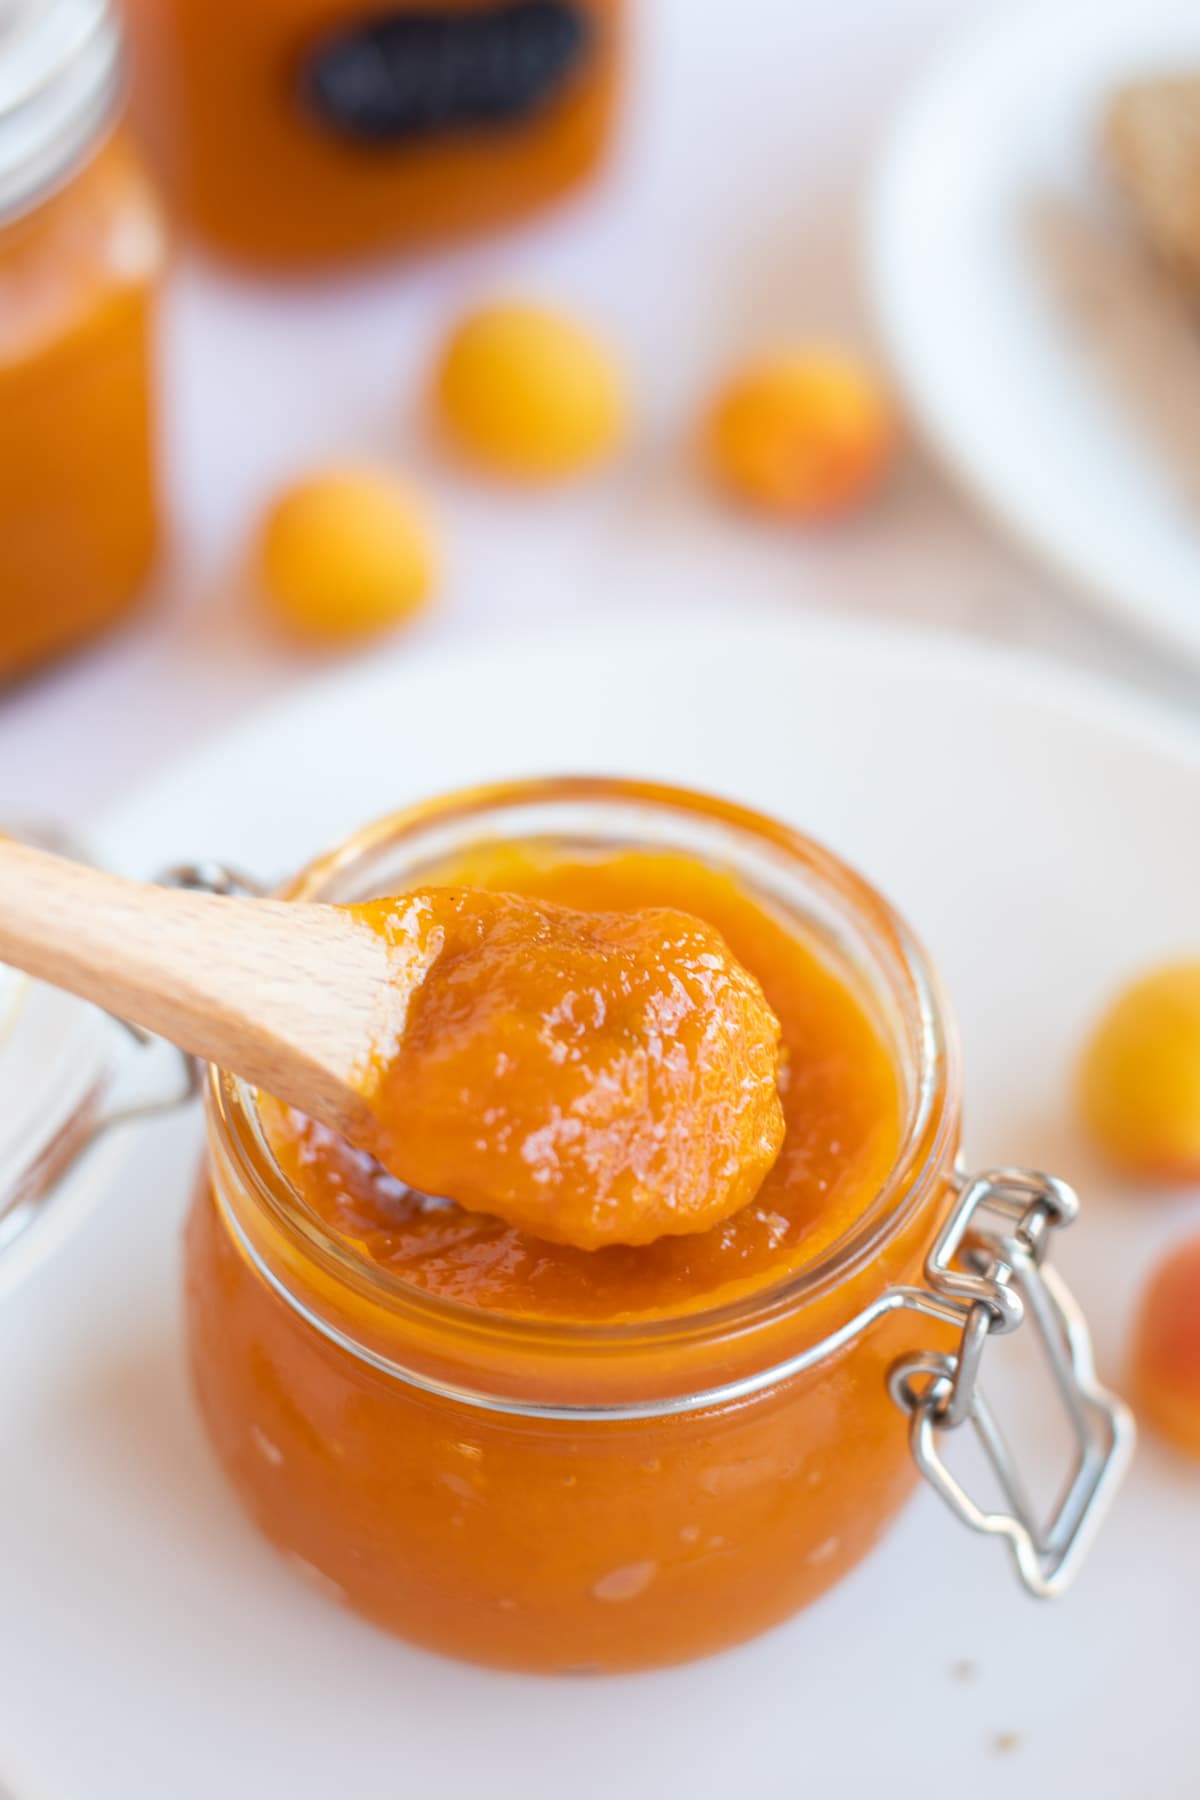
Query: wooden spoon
296	998
623	1066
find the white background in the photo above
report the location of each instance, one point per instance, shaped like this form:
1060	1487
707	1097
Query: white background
727	219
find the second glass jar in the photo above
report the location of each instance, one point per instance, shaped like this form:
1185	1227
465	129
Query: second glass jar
81	253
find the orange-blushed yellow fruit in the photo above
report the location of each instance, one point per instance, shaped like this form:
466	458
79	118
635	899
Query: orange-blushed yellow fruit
803	434
1165	1374
1139	1077
528	393
345	553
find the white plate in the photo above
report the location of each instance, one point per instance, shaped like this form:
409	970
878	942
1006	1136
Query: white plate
1048	363
1043	839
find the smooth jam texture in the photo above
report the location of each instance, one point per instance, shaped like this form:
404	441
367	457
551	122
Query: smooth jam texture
594	1078
598	1086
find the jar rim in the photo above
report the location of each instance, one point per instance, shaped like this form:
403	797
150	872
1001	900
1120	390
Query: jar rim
62	84
927	1145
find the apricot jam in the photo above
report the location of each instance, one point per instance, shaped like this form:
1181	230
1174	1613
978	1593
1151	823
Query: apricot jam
620	1066
530	1454
293	133
81	252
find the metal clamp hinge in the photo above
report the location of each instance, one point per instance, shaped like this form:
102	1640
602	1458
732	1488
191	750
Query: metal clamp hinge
988	1268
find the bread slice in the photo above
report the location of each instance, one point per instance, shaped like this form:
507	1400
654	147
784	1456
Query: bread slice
1152	135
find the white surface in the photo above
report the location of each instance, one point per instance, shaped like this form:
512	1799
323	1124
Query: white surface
1050	363
1042	839
729	219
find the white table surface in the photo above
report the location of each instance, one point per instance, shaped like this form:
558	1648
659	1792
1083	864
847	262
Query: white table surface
727	219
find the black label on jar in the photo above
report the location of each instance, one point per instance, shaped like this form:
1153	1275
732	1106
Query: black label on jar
405	75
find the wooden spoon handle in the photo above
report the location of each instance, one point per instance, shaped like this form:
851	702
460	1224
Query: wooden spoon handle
290	997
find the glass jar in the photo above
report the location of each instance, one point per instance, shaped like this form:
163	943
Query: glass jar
307	132
81	252
546	1496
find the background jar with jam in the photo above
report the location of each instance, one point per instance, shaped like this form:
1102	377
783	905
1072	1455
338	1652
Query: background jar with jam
81	252
305	132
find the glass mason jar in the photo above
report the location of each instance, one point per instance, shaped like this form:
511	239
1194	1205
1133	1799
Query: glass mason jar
81	252
296	133
555	1497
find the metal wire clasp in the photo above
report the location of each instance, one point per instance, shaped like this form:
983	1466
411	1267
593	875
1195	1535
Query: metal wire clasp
988	1265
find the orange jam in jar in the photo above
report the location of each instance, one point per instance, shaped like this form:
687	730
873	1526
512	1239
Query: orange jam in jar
81	251
295	133
537	1456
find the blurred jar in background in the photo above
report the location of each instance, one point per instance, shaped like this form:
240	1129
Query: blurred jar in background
81	251
306	132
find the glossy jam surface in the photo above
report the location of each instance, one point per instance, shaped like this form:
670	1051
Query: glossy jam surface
78	503
591	1077
841	1112
228	97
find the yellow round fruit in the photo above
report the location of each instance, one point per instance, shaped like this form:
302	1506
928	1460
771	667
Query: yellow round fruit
528	393
803	434
1139	1079
344	554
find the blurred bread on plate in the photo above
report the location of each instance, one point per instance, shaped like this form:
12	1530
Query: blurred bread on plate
1152	137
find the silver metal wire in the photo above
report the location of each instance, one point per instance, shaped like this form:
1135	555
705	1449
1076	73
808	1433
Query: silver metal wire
1002	1230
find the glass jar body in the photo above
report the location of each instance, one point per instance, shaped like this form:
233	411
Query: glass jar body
79	510
521	1493
239	107
543	1544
